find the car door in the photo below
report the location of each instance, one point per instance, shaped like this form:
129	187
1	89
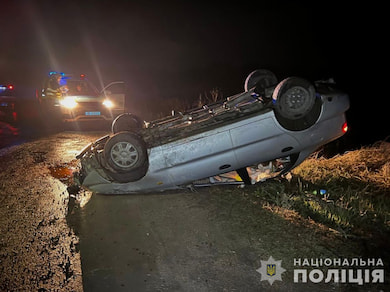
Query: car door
199	156
260	139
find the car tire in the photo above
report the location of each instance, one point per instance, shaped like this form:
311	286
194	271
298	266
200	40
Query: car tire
296	106
126	122
261	79
126	153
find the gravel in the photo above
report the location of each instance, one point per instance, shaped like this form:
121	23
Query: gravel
38	250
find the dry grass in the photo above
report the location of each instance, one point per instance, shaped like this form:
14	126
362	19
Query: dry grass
370	165
357	185
349	193
350	217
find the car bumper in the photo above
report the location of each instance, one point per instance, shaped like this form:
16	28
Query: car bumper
85	114
8	110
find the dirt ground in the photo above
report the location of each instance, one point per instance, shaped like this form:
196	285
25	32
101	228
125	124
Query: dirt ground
38	249
171	241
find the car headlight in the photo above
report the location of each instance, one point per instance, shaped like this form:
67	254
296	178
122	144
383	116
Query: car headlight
108	103
69	102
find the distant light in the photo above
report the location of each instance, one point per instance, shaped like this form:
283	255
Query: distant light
8	87
344	128
108	103
82	76
55	72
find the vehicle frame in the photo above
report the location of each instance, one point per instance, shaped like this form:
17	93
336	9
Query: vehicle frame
8	111
270	120
87	105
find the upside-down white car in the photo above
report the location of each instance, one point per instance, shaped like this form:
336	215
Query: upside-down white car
269	120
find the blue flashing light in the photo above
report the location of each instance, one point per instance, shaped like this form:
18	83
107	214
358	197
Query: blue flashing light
55	72
62	81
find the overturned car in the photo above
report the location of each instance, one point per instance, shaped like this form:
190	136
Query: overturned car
270	120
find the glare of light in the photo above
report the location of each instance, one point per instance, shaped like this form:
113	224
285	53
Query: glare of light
8	87
108	103
69	102
344	128
91	53
44	39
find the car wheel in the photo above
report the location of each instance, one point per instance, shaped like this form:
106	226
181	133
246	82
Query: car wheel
261	79
295	104
125	152
126	122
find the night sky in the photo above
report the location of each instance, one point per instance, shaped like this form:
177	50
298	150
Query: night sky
177	49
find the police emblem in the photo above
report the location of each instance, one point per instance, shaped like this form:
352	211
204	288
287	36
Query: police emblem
271	270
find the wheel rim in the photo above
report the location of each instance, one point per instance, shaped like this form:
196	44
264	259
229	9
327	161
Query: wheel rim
261	78
124	154
297	101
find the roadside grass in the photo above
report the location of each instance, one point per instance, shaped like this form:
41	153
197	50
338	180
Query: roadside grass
345	197
355	196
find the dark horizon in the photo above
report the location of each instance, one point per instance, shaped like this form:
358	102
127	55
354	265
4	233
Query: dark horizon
180	50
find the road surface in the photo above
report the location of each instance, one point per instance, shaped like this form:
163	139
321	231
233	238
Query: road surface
171	241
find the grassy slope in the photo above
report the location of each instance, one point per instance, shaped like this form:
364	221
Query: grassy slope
354	209
349	193
357	184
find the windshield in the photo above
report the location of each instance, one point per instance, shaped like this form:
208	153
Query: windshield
79	87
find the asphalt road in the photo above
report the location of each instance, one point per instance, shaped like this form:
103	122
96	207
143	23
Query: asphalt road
162	242
170	241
